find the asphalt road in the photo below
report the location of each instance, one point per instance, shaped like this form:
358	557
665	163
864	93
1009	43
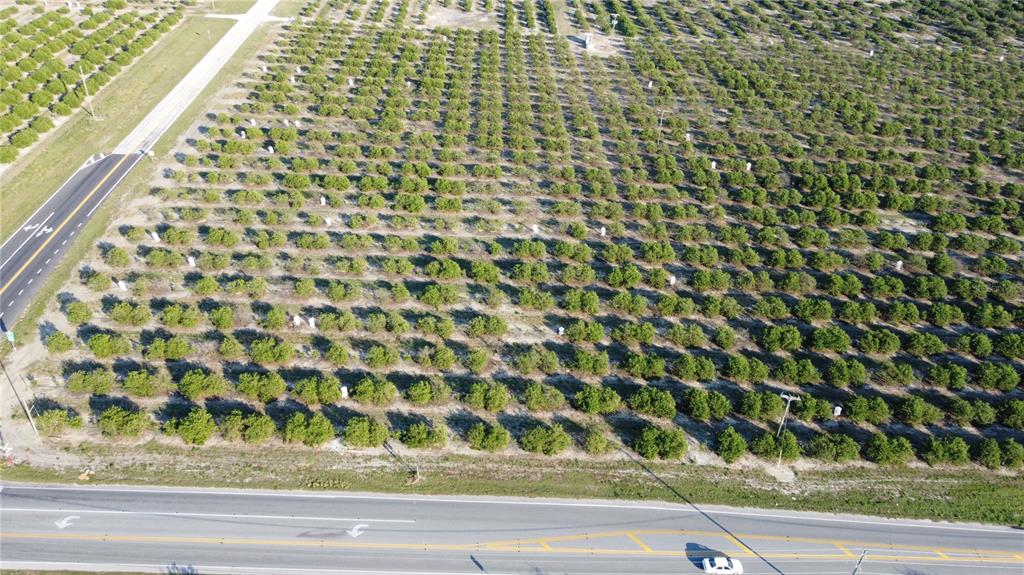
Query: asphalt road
28	256
212	531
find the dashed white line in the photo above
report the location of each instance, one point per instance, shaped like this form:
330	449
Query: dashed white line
48	260
79	225
30	281
63	242
72	233
21	292
39	271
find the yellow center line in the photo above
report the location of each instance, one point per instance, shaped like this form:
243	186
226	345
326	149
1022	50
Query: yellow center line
844	549
538	545
638	541
54	233
738	543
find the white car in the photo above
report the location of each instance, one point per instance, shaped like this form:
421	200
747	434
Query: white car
722	566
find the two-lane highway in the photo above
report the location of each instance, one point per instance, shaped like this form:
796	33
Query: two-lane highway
28	256
34	250
215	531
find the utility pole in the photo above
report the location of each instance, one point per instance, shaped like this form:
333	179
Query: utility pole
856	567
789	399
28	413
85	85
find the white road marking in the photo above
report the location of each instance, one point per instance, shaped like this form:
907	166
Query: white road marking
48	260
30	281
21	292
66	521
30	236
210	515
357	530
63	242
39	271
483	501
163	568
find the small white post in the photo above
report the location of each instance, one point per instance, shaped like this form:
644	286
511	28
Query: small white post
604	231
671	280
714	165
749	165
323	201
156	236
252	122
688	136
899	266
344	392
837	410
296	321
650	84
121	285
191	262
561	330
327	221
270	149
351	81
536	229
312	322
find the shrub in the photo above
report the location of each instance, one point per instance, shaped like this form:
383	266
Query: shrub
195	428
543	397
265	387
364	431
117	421
318	430
58	342
885	451
98	381
988	453
270	350
1013	454
104	345
198	384
837	447
295	428
730	445
488	437
595	399
594	440
768	446
318	389
659	443
143	383
78	312
950	449
489	395
547	440
420	435
374	390
428	391
1011	413
913	410
56	421
653	401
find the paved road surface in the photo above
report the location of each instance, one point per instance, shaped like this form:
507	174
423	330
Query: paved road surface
210	531
28	256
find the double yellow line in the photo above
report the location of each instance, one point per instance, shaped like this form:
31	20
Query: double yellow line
57	230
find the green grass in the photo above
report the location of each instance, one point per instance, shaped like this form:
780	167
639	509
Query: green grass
951	495
226	6
120	106
135	183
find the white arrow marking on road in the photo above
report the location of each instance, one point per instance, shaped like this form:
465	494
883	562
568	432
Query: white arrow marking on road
357	530
43	231
30	228
66	522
